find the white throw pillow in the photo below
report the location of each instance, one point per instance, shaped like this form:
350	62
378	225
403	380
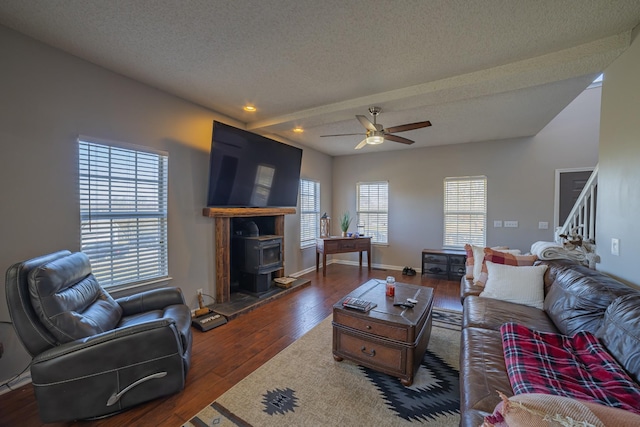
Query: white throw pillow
478	257
522	285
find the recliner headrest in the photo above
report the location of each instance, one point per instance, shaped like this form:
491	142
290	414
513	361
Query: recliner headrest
69	301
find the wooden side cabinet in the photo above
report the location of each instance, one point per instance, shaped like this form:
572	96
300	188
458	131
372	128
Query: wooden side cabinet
444	264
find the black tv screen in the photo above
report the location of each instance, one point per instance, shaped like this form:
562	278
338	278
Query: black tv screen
250	170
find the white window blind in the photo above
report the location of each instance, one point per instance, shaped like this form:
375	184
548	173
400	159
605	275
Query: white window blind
309	212
465	211
123	212
373	210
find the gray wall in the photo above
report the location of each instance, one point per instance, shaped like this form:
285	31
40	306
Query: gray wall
619	177
48	98
318	167
520	182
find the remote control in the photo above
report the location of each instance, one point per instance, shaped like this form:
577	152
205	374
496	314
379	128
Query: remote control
357	304
404	304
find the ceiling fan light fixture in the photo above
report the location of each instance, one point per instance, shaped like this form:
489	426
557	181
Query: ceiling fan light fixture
375	138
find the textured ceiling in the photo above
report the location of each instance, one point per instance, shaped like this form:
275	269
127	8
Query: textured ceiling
478	70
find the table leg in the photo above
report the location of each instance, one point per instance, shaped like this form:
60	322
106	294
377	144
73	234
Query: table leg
324	263
317	261
407	383
369	259
360	254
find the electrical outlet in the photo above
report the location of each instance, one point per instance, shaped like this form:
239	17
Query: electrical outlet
497	224
511	224
615	247
543	225
199	291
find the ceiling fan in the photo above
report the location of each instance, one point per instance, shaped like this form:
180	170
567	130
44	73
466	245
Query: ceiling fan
376	134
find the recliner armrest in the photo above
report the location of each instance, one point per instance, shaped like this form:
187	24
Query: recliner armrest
109	372
155	299
105	338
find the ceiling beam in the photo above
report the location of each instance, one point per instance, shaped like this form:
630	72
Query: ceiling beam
589	58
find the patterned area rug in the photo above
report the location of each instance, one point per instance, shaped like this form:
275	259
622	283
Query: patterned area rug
304	386
448	319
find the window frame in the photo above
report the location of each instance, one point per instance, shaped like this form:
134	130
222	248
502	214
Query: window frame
313	214
475	208
128	225
382	214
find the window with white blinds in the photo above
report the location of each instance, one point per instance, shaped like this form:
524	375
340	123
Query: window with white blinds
123	212
309	212
373	210
465	211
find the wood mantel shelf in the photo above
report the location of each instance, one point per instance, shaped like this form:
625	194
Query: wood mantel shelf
244	212
222	239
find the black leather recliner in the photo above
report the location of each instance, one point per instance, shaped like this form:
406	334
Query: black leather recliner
94	356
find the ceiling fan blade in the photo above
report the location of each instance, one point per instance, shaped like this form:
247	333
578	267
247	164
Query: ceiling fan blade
408	126
366	123
362	144
397	138
343	134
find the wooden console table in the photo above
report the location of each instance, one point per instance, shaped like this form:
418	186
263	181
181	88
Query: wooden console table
339	245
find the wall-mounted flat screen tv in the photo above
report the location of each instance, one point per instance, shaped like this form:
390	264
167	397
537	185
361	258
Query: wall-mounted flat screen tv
250	170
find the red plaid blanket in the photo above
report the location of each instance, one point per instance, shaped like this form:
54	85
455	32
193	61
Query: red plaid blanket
578	367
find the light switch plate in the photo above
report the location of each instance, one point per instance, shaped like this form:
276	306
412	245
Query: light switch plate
615	246
497	224
543	225
511	224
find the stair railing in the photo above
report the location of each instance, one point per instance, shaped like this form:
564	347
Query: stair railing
582	217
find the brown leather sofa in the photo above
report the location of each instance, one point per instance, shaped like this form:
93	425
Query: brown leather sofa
576	298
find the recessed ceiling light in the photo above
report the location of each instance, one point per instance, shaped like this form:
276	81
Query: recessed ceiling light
249	108
298	129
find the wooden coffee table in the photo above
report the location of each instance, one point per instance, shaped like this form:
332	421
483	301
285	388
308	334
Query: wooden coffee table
388	338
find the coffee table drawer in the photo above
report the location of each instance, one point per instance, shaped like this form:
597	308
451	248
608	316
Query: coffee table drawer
373	353
371	327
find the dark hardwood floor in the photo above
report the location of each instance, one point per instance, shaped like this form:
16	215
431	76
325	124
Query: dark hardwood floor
223	356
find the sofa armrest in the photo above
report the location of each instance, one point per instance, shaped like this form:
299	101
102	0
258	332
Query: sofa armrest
468	287
155	299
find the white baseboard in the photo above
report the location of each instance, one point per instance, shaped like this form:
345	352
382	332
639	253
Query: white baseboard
307	270
22	379
373	265
354	263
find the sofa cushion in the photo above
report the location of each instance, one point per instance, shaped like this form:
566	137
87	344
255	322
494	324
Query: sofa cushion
482	370
504	258
69	301
521	285
537	410
554	267
489	313
578	367
578	298
469	261
620	333
475	256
